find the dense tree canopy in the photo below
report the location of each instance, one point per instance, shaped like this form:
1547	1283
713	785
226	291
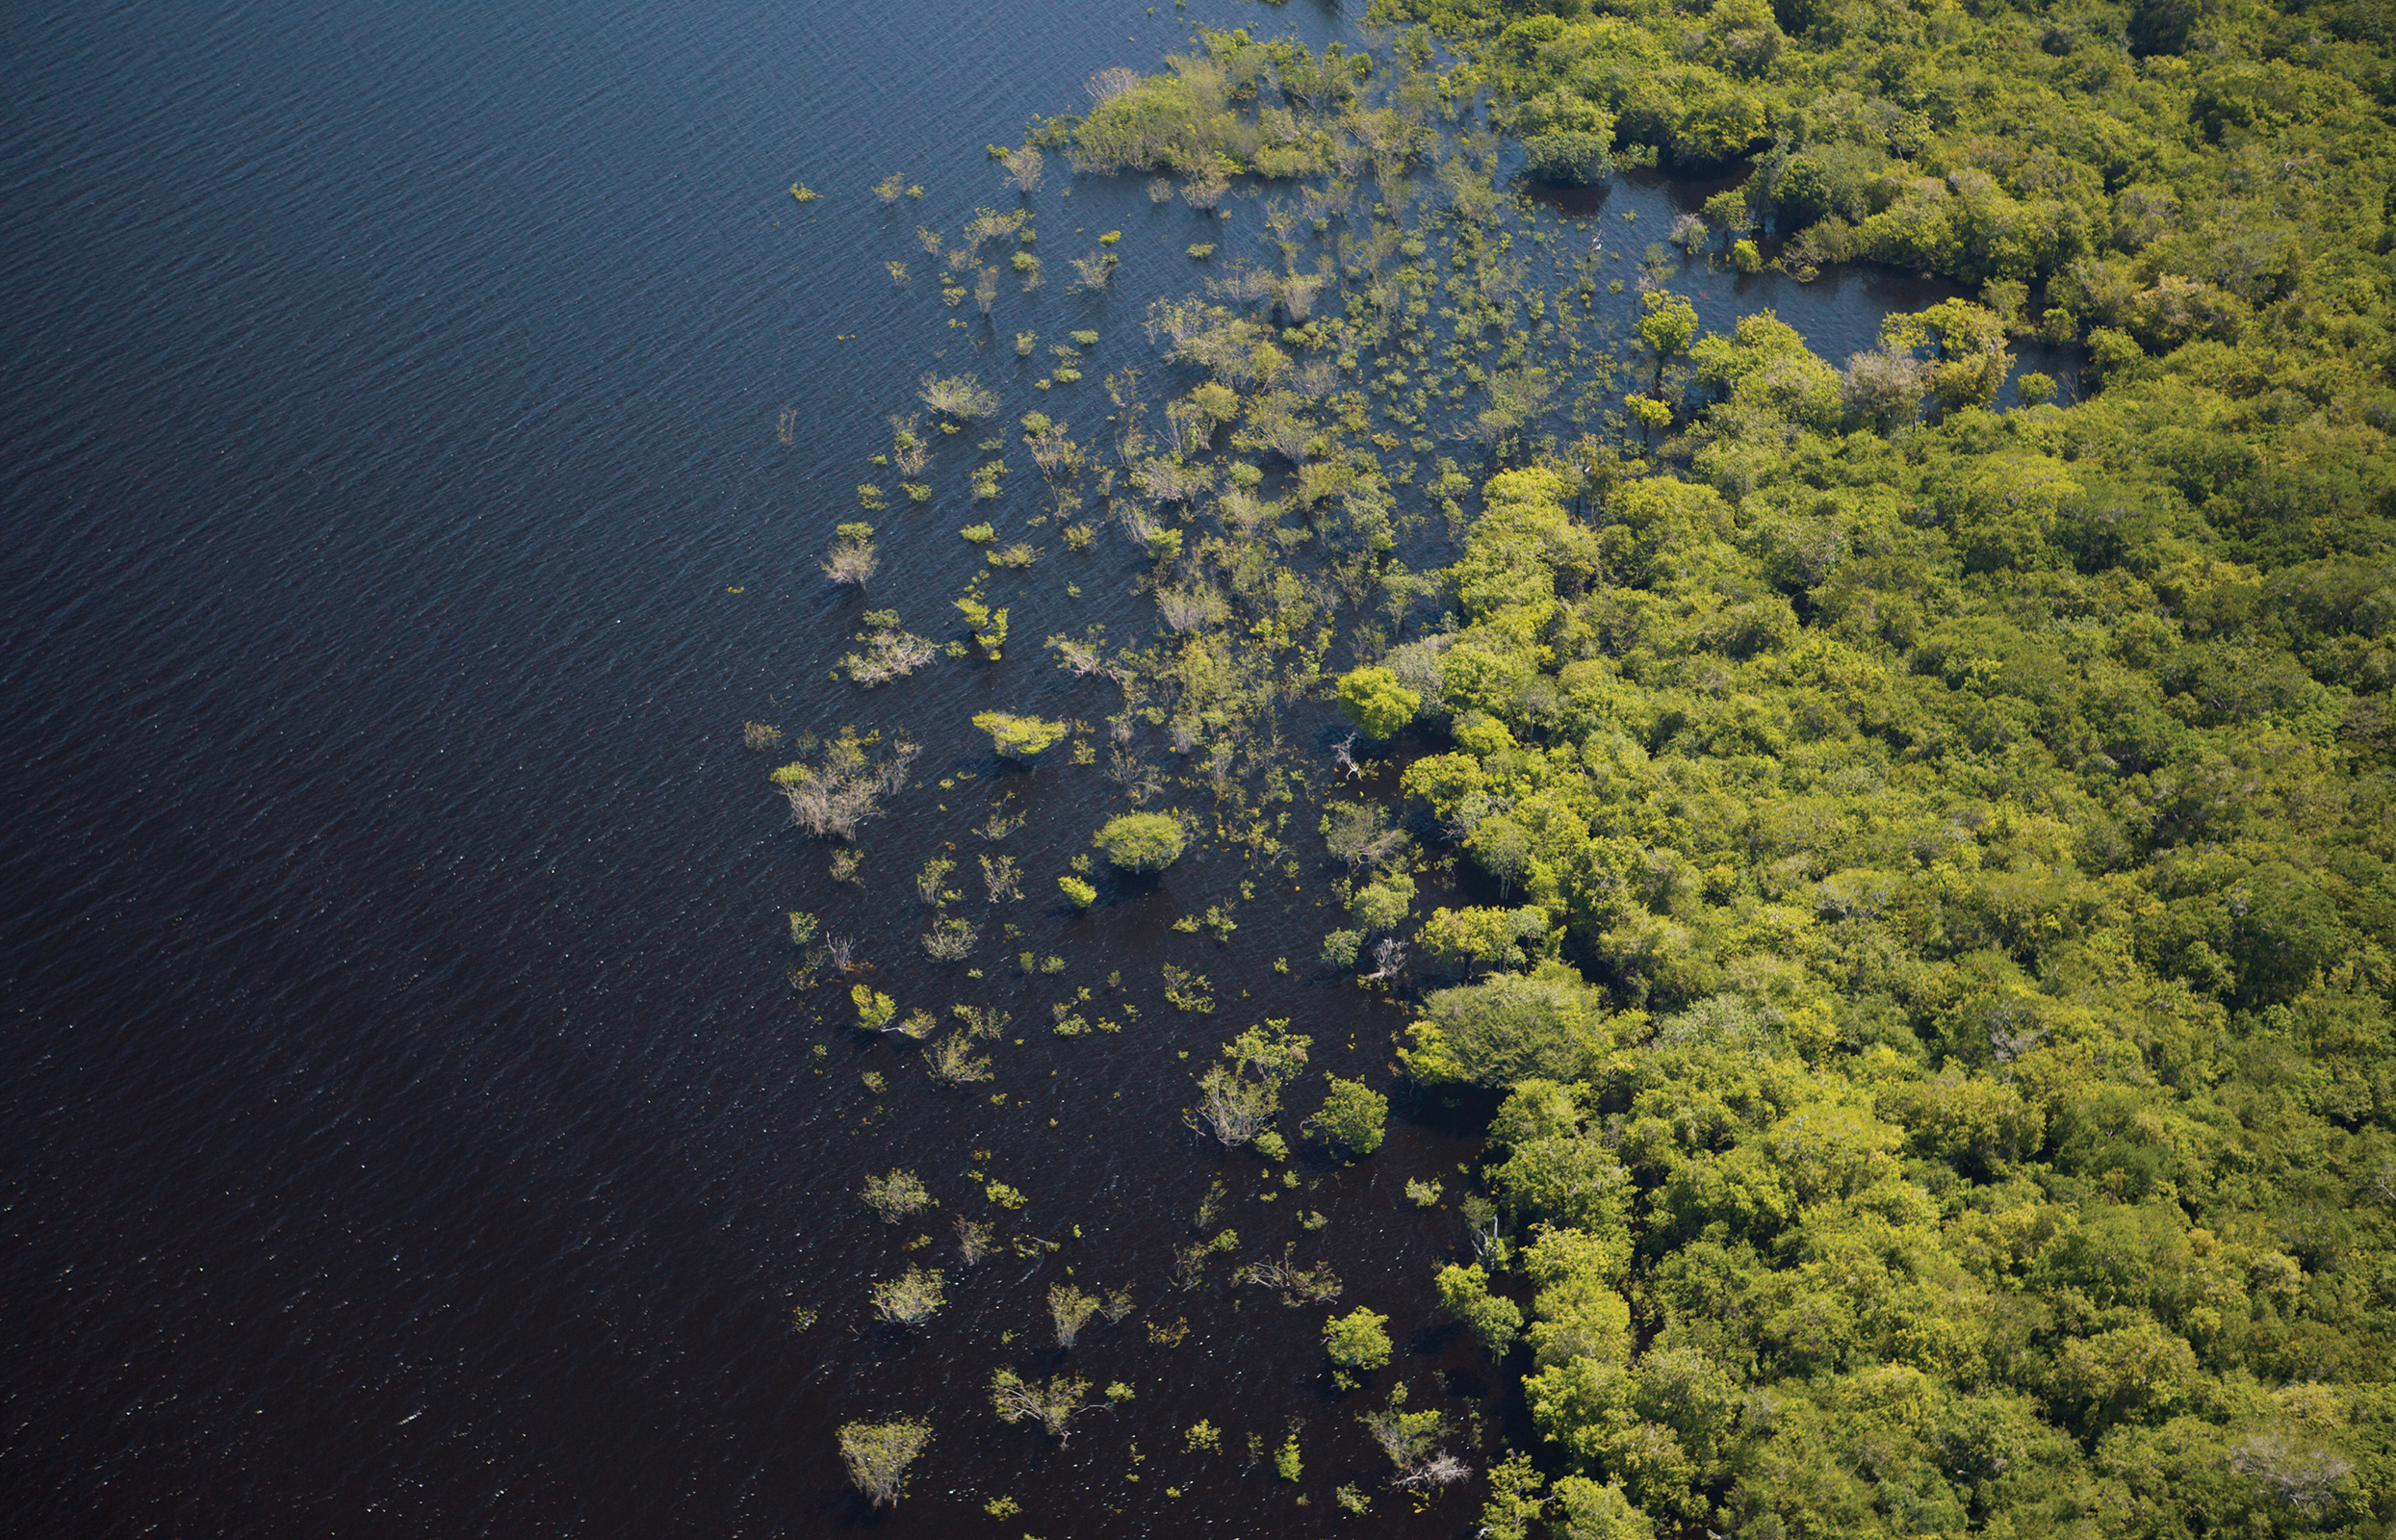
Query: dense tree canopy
1958	1046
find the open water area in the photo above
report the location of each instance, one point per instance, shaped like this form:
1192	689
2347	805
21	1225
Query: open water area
409	1127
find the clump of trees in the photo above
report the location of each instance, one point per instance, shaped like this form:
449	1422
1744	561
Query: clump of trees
1937	979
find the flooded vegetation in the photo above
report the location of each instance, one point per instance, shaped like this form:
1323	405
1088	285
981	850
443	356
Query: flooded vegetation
1767	814
1493	770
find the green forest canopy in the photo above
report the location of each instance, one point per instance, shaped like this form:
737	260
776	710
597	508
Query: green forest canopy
1957	1090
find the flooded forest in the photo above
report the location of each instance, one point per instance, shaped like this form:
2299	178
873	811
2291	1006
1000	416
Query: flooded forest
1605	770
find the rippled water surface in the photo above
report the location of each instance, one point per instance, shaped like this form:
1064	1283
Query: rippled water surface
409	1128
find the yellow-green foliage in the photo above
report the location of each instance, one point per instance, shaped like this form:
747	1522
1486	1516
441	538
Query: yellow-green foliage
1962	863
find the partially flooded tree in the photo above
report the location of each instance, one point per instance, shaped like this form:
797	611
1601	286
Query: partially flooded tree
895	1195
1464	1293
1411	1440
959	395
911	1299
1354	1117
952	1062
951	939
1025	168
1884	389
1296	1285
1968	357
1667	325
1142	842
879	1453
1357	1343
1071	1310
974	1240
887	653
1239	1099
1052	1405
1002	878
851	556
847	783
1359	834
1019	737
910	454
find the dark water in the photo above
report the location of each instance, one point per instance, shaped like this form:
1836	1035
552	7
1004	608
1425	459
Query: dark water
409	1130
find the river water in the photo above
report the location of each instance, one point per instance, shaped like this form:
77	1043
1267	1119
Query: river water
409	1128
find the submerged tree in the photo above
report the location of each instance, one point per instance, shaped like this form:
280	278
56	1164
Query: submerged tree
895	1195
1142	842
851	556
847	783
1019	737
879	1453
911	1299
1053	1405
1071	1310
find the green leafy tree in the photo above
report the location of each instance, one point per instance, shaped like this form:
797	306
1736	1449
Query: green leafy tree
1142	842
1972	359
1377	703
1019	737
1358	1342
1668	325
1352	1117
1464	1293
